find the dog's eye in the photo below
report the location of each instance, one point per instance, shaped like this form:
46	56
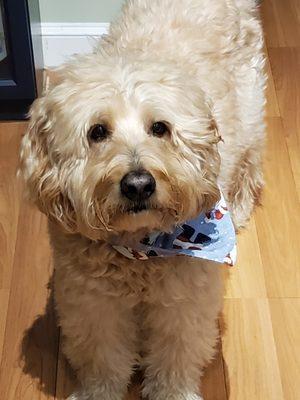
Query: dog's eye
159	129
98	132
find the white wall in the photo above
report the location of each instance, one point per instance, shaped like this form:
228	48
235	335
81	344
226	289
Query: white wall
72	26
79	10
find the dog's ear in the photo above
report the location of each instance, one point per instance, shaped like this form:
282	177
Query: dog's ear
211	166
40	170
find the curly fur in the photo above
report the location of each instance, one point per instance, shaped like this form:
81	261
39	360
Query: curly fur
197	65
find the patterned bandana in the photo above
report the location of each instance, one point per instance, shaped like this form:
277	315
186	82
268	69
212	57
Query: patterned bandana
210	236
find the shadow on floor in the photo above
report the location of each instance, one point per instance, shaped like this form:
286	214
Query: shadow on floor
39	353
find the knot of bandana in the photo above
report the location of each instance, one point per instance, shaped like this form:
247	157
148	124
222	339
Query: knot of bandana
210	236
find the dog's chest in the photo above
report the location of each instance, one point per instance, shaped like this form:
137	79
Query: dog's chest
137	279
104	271
141	280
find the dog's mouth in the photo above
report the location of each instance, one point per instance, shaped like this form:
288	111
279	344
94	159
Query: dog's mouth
145	216
137	208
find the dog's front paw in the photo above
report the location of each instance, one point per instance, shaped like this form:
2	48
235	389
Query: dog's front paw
172	396
98	393
80	396
76	396
194	396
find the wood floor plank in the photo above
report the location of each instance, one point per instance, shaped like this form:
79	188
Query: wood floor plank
288	17
272	108
246	279
213	381
10	134
281	21
285	314
273	30
249	351
66	381
28	365
277	222
285	65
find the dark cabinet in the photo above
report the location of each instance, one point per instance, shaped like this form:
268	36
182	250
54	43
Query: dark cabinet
21	61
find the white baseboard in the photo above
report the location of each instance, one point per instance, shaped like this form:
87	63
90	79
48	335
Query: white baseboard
62	40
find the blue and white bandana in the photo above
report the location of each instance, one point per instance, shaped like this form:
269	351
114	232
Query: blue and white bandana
210	236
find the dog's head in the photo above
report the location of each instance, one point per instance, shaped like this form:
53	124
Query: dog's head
114	148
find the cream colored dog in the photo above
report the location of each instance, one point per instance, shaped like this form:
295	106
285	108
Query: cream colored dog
128	142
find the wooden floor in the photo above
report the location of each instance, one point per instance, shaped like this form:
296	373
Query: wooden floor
259	356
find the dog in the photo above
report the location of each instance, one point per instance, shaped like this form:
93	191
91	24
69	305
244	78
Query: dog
140	137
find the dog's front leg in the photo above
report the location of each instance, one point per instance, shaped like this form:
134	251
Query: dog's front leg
99	337
181	333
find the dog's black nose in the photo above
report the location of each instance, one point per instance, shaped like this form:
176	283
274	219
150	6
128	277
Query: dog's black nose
138	185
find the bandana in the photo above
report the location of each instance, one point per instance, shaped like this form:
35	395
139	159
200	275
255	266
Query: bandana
210	236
